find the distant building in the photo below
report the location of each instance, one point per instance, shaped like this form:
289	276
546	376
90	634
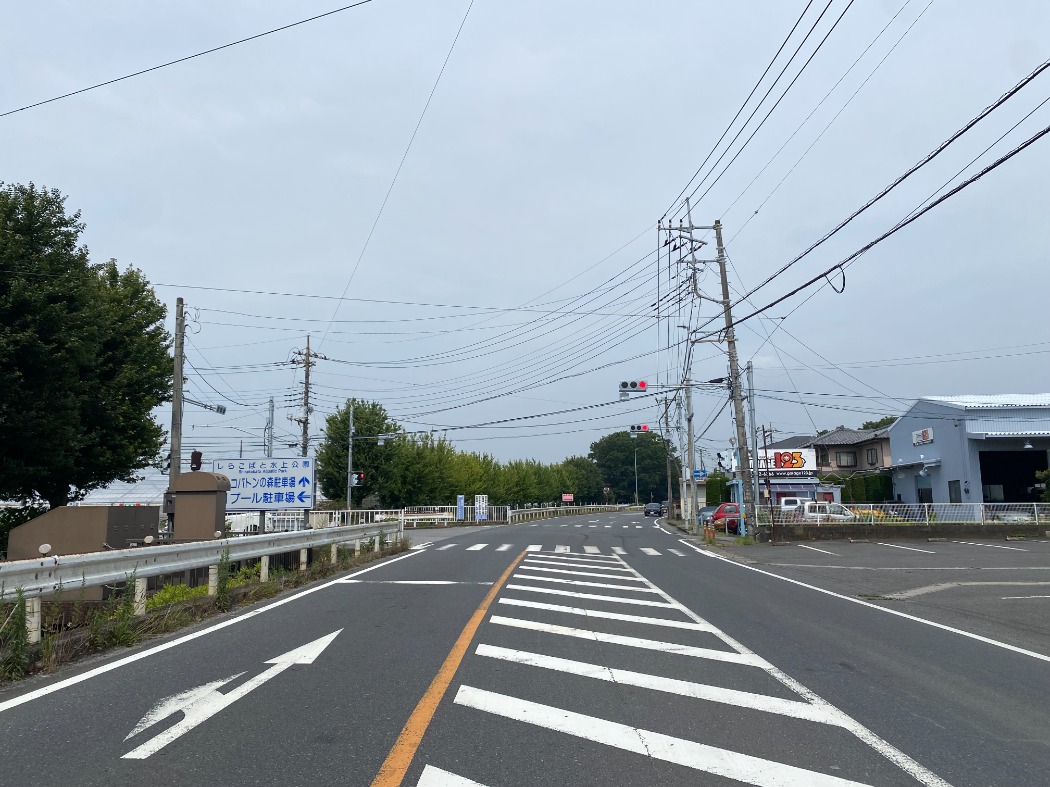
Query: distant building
971	449
846	451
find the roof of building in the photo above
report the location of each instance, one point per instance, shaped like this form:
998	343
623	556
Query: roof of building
991	401
843	436
802	441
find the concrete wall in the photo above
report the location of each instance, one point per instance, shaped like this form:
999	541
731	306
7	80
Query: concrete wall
949	445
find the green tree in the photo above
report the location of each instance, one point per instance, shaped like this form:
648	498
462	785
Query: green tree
374	460
1043	477
584	480
880	423
614	455
84	357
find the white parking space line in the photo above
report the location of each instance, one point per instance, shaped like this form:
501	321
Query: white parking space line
911	549
819	550
592	596
681	688
732	657
598	613
534	547
1012	598
435	777
445	546
582	583
991	546
530	567
476	547
619	551
720	762
503	547
592	550
649	551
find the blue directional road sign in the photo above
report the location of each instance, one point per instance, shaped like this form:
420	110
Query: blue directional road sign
699	475
268	483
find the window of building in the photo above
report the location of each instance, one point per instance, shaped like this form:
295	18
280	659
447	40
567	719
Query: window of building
954	492
873	456
822	456
846	458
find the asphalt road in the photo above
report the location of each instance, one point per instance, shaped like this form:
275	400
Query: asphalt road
599	650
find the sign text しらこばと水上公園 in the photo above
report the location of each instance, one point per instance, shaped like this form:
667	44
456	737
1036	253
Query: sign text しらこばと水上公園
268	484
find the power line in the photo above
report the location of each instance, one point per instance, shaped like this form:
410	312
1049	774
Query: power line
401	164
184	59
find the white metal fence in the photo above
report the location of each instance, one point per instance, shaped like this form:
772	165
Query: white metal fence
910	514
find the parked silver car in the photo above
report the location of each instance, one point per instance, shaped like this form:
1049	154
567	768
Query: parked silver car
812	511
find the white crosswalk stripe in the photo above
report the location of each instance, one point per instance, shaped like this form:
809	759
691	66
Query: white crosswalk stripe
562	548
649	551
435	777
582	583
590	550
641	602
548	560
532	566
619	550
503	547
601	613
534	547
476	547
678	552
446	546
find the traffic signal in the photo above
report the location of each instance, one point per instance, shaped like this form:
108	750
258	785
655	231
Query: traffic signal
637	429
167	462
633	386
357	478
196	458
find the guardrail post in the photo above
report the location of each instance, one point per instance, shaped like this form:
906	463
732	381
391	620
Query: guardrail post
213	580
264	568
335	554
303	554
140	596
33	618
926	513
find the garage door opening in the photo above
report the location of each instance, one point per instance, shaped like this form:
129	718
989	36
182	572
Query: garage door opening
1009	476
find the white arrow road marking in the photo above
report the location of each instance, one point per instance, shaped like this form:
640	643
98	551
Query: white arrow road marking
435	777
200	704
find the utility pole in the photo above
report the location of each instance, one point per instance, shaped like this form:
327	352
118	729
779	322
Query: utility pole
350	458
754	432
734	386
269	431
769	486
176	395
667	451
306	358
690	481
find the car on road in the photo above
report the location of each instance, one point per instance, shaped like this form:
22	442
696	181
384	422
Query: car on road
665	507
812	511
652	509
727	517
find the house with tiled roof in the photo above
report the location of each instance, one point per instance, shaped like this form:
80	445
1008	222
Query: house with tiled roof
849	451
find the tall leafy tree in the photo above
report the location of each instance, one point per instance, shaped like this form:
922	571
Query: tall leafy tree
370	420
84	357
614	455
879	423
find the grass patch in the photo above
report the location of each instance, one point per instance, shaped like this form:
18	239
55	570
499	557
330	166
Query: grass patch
744	541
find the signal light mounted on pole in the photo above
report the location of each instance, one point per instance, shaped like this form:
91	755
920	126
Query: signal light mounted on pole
357	478
637	429
628	387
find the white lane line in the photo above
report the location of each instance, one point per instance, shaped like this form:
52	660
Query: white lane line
533	547
561	549
476	547
598	613
711	654
649	551
619	551
424	545
819	550
594	520
577	525
503	547
637	527
912	549
101	670
564	524
894	612
592	550
571	563
581	583
1012	598
678	552
528	566
446	546
351	581
592	596
435	777
596	560
682	688
991	546
922	591
698	756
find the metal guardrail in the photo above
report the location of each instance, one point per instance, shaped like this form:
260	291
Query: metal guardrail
41	576
529	514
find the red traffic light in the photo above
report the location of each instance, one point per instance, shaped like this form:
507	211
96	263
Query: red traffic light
645	427
641	385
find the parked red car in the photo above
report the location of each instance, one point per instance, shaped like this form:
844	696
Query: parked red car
727	517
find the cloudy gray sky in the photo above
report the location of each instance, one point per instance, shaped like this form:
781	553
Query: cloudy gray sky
559	132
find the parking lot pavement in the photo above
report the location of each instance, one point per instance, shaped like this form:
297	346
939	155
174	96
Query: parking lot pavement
998	589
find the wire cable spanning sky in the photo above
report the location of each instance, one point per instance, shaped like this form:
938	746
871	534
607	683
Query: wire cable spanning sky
486	179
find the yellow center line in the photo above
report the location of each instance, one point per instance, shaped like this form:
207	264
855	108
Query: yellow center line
394	768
